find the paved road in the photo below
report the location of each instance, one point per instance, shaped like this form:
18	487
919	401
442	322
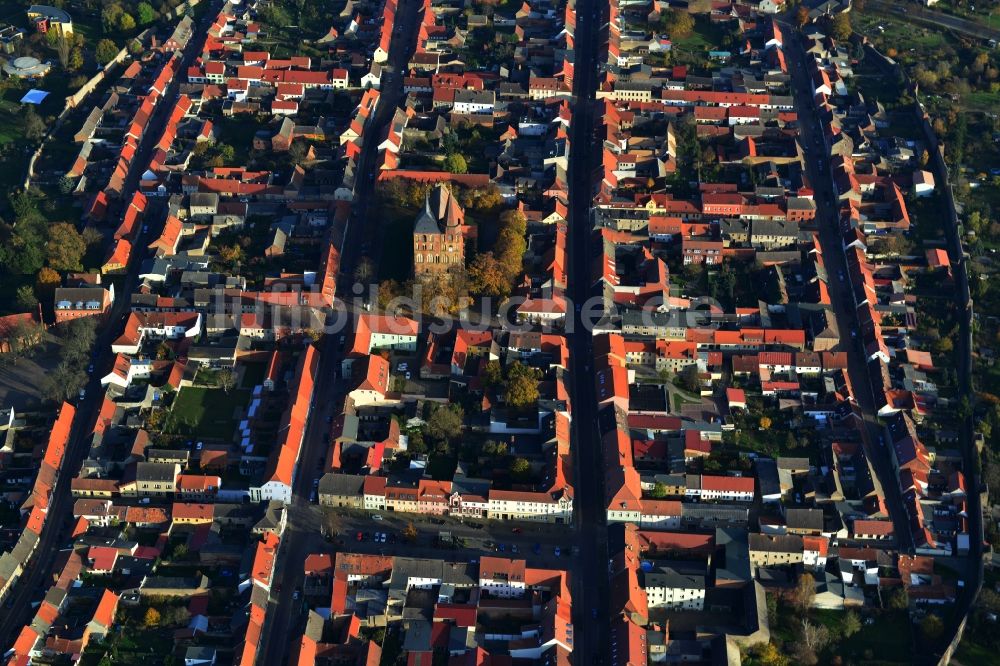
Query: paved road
591	576
34	582
917	14
302	535
818	168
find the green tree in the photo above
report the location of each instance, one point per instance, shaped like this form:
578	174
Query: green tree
841	27
126	23
520	468
678	23
492	374
659	490
105	51
415	444
521	387
275	15
850	625
931	627
65	248
445	423
34	126
898	599
24	298
455	163
110	16
75	59
145	14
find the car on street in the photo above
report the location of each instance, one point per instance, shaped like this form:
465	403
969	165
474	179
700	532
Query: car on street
502	548
360	536
516	530
514	549
537	549
557	551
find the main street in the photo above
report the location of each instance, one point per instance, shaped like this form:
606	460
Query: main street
841	294
35	580
591	589
302	534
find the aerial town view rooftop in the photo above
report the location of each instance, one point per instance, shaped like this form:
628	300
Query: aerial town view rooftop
499	332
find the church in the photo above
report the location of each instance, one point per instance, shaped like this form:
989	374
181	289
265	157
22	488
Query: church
437	234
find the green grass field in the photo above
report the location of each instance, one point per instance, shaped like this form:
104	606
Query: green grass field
205	412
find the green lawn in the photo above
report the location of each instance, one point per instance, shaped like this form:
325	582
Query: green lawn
970	653
888	639
199	411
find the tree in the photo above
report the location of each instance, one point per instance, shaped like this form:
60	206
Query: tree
770	655
841	27
364	271
659	490
388	291
91	236
298	152
24	298
804	592
126	23
79	335
151	618
492	374
898	599
24	336
410	532
110	16
678	23
850	625
275	15
802	16
445	423
455	163
34	126
487	276
521	387
105	51
144	13
931	627
495	449
415	444
226	380
812	639
520	468
765	423
46	281
65	248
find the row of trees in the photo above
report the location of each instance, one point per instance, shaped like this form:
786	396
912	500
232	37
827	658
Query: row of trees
69	376
493	273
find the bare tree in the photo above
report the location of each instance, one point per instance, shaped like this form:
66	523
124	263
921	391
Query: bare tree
364	271
226	380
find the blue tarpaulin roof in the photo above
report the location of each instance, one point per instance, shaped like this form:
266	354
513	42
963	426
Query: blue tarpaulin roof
34	96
